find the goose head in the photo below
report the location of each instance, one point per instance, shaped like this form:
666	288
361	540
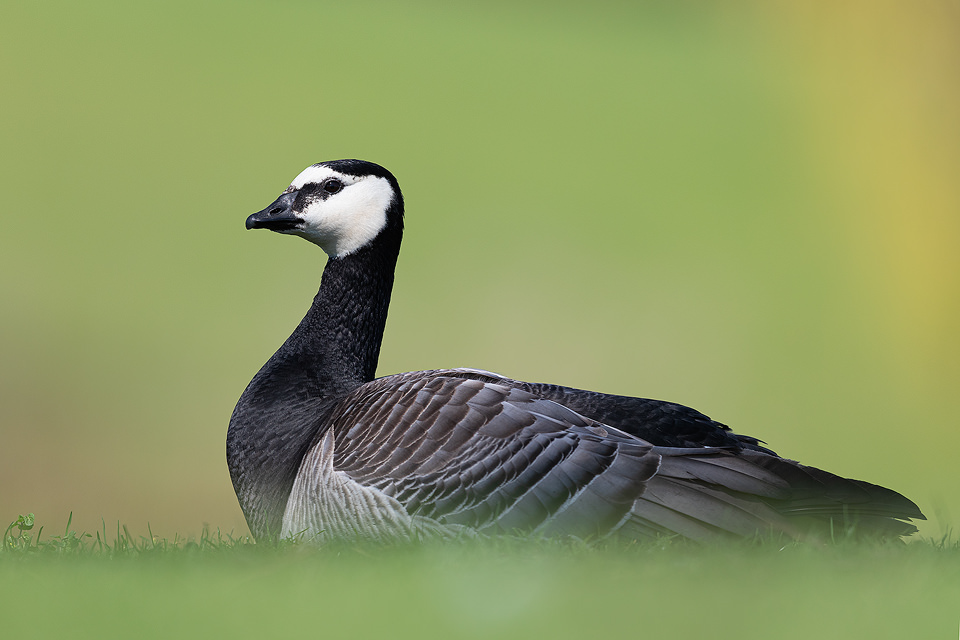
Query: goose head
340	206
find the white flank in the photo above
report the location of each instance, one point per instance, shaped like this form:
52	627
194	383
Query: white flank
326	504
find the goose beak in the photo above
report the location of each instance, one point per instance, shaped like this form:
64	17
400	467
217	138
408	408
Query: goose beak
279	216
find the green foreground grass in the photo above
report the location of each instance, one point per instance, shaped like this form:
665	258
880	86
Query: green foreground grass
70	584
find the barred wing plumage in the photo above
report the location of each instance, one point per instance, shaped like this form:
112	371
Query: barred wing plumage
448	451
470	451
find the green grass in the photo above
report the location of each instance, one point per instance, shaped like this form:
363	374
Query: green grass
216	586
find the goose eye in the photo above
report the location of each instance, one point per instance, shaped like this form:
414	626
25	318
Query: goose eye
332	185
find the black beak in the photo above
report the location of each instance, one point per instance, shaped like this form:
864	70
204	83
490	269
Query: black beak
279	216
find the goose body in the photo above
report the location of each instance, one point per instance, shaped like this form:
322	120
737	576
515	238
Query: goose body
318	447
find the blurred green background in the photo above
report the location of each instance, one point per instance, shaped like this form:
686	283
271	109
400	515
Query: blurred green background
751	208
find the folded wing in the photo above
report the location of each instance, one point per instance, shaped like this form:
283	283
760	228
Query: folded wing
458	450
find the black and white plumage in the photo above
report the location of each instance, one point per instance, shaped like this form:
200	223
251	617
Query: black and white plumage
318	447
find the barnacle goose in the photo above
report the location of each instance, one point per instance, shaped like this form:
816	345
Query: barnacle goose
317	447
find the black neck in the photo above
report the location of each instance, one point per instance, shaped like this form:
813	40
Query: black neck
333	351
339	338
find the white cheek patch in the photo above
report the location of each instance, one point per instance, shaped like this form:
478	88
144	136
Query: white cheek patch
350	219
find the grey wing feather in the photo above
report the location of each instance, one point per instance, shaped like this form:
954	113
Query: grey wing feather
705	494
466	448
474	452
